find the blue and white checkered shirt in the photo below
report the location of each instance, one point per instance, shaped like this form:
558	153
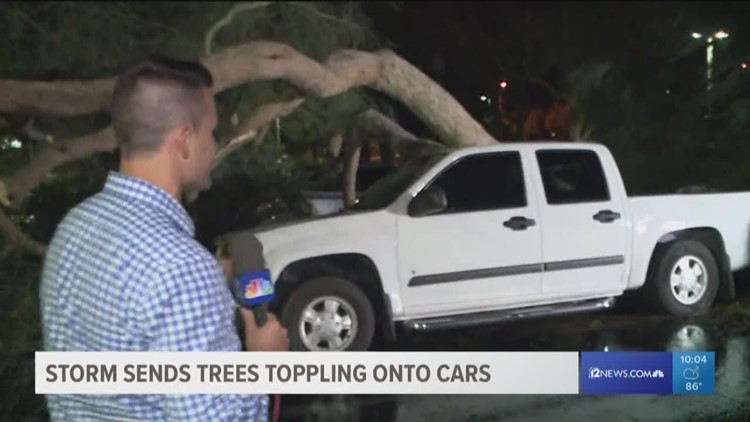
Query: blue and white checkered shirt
124	273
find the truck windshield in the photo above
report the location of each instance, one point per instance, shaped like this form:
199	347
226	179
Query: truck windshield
386	190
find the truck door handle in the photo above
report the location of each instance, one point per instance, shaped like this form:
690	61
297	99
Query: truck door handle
606	216
519	223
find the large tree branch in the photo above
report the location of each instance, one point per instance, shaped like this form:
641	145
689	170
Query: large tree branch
335	144
371	124
56	98
381	126
268	60
16	238
14	189
247	129
346	69
36	134
343	70
351	166
19	185
227	19
261	60
400	80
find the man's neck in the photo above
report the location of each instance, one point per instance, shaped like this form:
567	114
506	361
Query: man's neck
153	172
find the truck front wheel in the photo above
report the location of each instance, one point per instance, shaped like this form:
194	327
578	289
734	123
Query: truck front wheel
685	280
329	314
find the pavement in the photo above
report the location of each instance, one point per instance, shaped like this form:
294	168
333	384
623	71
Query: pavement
726	331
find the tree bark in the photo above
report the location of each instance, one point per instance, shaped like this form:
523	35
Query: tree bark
252	61
232	66
14	190
378	125
208	41
371	124
263	60
16	238
20	184
351	166
335	144
247	129
56	98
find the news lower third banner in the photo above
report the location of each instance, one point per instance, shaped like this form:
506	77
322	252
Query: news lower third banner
307	372
375	372
648	373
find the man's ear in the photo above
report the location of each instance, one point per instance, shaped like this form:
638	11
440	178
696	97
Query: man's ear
180	139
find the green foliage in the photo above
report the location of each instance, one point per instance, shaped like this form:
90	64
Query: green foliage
264	185
658	125
260	183
20	336
82	40
313	28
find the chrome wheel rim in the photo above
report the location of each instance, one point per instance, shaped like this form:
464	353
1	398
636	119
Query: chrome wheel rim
689	280
328	323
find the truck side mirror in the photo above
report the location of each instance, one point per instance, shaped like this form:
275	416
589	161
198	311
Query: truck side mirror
430	201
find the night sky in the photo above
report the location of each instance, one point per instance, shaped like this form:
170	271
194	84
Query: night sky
468	46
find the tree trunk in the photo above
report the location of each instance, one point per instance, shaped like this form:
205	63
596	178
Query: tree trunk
351	166
371	124
334	145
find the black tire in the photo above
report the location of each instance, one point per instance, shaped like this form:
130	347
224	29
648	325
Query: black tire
659	287
317	288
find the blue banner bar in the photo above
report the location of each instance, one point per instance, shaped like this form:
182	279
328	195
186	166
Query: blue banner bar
647	373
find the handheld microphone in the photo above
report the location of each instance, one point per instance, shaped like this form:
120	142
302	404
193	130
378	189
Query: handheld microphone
251	284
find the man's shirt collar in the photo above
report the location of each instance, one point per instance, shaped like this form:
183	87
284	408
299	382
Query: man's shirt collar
141	191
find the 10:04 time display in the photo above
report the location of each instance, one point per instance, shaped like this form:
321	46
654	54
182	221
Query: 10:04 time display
687	359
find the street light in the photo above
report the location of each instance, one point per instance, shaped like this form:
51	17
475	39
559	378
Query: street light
718	35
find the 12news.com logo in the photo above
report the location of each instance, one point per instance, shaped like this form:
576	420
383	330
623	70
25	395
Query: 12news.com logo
595	372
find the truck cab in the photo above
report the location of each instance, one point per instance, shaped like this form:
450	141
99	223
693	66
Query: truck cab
516	226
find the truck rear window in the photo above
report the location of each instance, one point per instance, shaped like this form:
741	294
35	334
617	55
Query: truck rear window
572	176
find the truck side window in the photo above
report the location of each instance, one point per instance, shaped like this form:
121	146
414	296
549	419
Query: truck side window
484	182
572	176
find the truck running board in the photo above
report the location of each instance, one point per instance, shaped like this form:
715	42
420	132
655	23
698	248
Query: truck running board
481	318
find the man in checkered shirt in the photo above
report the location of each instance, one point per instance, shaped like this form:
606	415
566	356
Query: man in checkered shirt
123	271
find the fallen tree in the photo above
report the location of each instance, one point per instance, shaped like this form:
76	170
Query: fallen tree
383	71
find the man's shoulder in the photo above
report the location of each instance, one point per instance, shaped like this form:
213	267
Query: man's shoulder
141	233
77	216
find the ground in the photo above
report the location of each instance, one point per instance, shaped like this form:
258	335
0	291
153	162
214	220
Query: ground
726	330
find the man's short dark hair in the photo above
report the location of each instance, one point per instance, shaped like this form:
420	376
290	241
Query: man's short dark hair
153	97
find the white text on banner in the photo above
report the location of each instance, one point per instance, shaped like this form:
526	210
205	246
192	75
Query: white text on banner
307	372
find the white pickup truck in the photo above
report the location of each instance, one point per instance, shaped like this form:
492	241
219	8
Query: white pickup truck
487	234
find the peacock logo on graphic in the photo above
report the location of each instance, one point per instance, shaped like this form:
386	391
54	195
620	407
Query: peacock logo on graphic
258	287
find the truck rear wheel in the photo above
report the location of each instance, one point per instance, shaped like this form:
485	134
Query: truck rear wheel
685	279
329	314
